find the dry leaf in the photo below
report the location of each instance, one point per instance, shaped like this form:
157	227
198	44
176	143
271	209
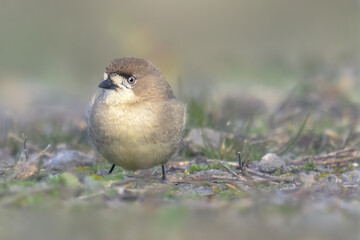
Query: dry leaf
230	186
25	169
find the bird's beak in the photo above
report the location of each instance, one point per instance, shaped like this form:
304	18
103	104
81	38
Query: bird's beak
108	84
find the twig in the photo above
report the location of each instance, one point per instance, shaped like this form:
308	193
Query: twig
28	144
231	171
246	172
196	180
242	165
337	160
217	179
335	154
24	152
271	177
223	178
43	152
232	180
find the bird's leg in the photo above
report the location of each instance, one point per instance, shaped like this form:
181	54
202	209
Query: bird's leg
111	169
163	172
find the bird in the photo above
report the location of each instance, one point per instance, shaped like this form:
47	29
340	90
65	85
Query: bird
135	121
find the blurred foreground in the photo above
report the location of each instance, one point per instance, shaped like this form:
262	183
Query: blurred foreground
269	218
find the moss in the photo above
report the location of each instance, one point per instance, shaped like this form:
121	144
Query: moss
339	171
202	167
309	165
351	167
277	172
96	177
197	167
323	174
84	169
288	174
193	168
214	166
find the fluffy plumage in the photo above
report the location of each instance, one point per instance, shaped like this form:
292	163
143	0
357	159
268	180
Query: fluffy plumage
136	126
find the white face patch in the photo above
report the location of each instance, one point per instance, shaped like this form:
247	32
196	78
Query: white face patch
120	95
118	80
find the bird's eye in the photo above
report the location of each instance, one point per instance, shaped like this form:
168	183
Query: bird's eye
131	80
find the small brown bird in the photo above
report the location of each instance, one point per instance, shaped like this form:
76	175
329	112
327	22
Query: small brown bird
135	121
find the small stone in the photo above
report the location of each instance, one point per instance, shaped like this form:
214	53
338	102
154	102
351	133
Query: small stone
200	138
351	178
68	159
270	163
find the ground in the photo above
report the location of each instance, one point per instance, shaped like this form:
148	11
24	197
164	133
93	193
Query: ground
244	168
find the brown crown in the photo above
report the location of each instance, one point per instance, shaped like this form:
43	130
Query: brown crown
132	66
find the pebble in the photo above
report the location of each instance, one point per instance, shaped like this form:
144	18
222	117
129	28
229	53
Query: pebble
68	159
270	162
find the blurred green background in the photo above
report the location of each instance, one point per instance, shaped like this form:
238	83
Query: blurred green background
213	53
65	45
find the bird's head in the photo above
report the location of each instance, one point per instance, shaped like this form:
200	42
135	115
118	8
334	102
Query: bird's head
132	80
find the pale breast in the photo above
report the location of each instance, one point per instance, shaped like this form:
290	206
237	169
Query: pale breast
136	136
